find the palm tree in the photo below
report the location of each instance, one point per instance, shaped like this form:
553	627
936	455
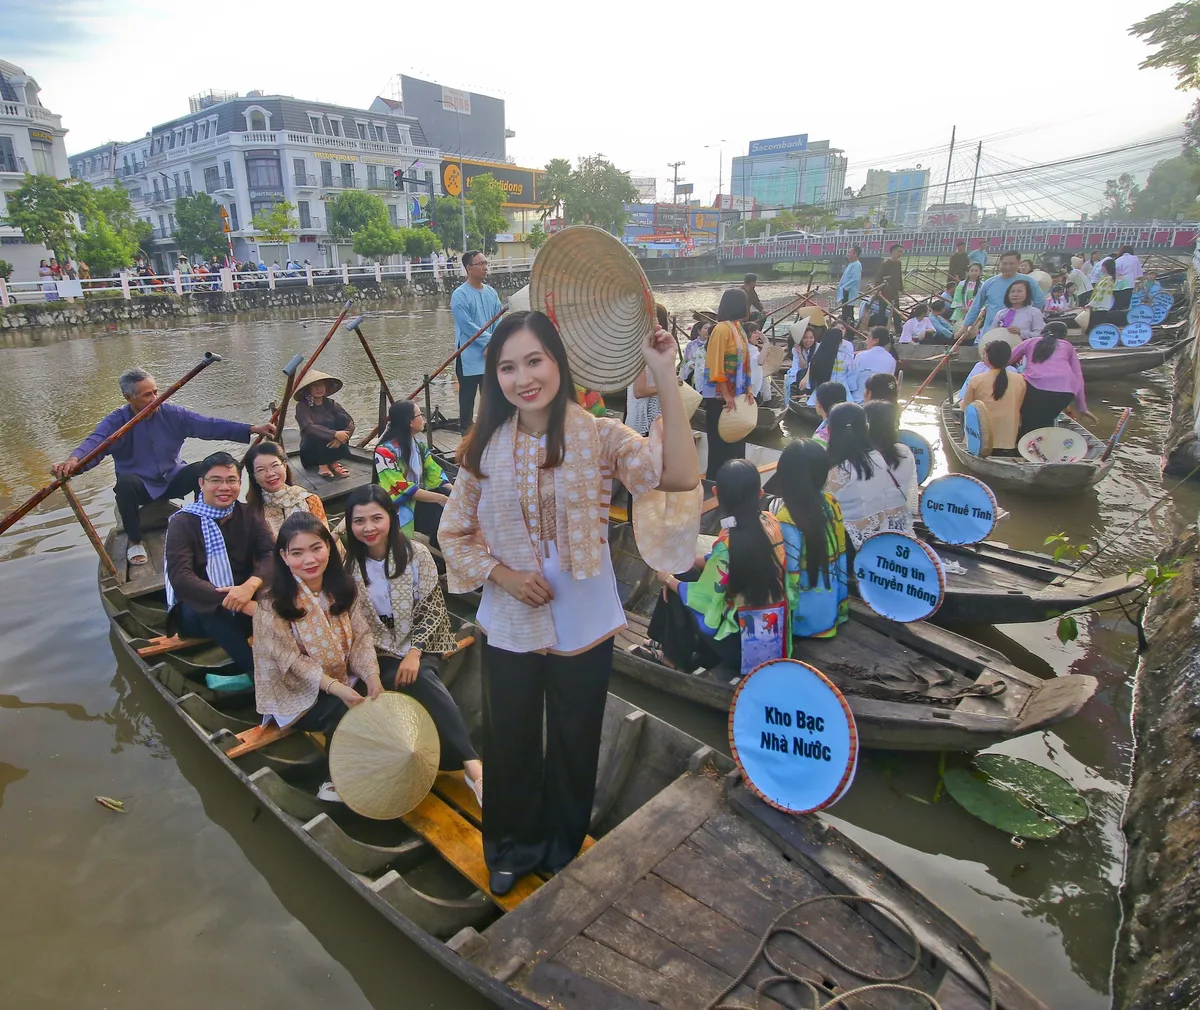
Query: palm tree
554	186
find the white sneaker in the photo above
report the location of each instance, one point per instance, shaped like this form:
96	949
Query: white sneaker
476	787
328	793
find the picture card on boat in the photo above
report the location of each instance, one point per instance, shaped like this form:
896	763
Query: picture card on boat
793	736
1104	337
900	577
959	509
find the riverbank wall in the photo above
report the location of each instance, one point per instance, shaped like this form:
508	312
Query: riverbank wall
1157	961
93	310
1181	451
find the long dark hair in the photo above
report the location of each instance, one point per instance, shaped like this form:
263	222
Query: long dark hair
820	365
1050	337
399	430
494	408
999	354
882	386
336	583
399	552
802	471
883	429
850	440
254	494
883	338
734	306
1028	294
754	572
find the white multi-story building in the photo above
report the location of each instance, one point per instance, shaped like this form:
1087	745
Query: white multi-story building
251	153
31	140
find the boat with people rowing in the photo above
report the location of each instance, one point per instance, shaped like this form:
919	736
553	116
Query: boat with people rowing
1118	363
685	876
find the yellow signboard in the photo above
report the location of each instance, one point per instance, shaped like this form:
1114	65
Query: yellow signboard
334	156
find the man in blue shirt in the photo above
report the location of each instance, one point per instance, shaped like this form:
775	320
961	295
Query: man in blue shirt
473	304
849	285
978	256
991	295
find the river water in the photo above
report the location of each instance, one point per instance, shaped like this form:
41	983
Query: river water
191	899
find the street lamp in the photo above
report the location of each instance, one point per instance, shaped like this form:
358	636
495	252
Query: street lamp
720	161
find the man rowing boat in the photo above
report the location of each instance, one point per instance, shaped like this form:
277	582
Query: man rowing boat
149	467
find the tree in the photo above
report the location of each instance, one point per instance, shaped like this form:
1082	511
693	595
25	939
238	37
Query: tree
113	203
352	211
45	209
104	249
1176	33
597	194
1169	191
447	222
377	240
1119	194
418	242
198	228
277	225
536	238
553	186
487	198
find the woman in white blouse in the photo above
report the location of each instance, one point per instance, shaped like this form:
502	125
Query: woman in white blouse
527	522
879	356
868	492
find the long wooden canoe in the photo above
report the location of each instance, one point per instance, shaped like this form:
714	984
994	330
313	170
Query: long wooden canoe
1118	363
687	870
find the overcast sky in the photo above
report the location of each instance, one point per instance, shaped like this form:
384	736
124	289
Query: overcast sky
646	83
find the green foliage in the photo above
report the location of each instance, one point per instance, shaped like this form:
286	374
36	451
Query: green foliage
597	193
1170	191
278	225
6	270
418	242
352	211
113	203
487	197
1119	196
377	240
198	228
447	222
1065	549
1157	576
104	249
554	186
997	807
1036	786
536	237
1176	33
1017	796
45	210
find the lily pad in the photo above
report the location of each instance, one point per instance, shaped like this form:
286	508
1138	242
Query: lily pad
1036	786
998	807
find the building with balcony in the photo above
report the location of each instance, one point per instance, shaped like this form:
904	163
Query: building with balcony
250	153
31	140
785	172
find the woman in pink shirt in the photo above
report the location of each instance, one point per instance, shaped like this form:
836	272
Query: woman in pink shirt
1053	376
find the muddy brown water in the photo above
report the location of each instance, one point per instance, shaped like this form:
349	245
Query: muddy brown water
192	899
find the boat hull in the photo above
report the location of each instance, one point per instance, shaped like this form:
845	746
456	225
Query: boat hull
1119	363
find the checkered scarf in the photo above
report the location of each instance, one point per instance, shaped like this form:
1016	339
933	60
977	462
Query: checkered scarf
217	567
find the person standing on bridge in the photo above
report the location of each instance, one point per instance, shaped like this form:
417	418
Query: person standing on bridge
990	300
849	285
890	278
473	304
959	262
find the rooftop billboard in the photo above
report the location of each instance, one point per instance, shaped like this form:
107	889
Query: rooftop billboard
779	145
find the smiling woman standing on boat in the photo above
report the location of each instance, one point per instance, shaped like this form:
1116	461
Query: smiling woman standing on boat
398	581
271	493
527	522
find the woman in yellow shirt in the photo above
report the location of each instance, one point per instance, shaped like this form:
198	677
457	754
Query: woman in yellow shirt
1001	393
726	376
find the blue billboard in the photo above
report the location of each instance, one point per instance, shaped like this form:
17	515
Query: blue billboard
779	145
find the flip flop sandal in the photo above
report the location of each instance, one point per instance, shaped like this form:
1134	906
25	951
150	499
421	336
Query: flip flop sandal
649	652
339	470
328	476
136	555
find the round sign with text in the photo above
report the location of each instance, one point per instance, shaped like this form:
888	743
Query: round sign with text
899	577
1140	314
977	432
1104	337
1136	334
793	736
959	509
922	452
1162	306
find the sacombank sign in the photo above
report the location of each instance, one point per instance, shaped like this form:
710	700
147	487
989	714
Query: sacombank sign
779	145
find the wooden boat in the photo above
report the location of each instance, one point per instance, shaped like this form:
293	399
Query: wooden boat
910	686
1017	474
688	868
1119	363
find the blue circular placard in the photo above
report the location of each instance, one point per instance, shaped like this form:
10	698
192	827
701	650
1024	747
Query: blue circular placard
1104	337
959	509
793	736
899	577
973	429
1137	334
1140	314
1162	306
922	453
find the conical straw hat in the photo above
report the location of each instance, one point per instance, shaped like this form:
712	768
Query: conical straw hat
772	357
691	398
736	424
518	301
384	755
332	385
598	296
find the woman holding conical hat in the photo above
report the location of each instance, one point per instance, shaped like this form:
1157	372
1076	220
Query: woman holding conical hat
726	376
527	523
325	425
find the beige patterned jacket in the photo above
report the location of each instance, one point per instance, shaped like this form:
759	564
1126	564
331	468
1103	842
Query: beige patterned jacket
421	620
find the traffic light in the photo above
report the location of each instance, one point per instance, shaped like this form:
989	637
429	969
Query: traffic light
397	178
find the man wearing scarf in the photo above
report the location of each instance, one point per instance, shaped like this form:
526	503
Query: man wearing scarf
218	554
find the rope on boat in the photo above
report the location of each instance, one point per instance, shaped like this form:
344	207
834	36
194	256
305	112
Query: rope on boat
876	983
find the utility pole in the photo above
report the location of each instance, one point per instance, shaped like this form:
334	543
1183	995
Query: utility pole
675	189
974	183
949	163
462	179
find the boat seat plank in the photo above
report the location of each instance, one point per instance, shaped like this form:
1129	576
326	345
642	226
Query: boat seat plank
570	902
461	845
169	643
258	737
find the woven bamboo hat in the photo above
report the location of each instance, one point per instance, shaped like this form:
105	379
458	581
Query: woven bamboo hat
332	385
772	358
736	424
383	757
518	301
813	313
598	296
691	398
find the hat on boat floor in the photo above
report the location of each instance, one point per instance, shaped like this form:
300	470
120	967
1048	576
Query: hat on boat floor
594	290
332	385
384	755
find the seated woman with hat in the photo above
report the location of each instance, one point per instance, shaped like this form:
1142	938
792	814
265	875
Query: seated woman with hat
407	471
325	425
398	583
271	493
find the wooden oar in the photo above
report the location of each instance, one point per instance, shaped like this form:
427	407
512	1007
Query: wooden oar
279	411
289	371
355	326
1116	435
929	378
445	364
23	510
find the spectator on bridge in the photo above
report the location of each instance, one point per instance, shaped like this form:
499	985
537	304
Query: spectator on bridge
752	299
1129	272
891	278
849	285
990	301
959	262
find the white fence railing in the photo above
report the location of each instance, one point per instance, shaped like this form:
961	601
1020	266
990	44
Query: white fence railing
129	285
